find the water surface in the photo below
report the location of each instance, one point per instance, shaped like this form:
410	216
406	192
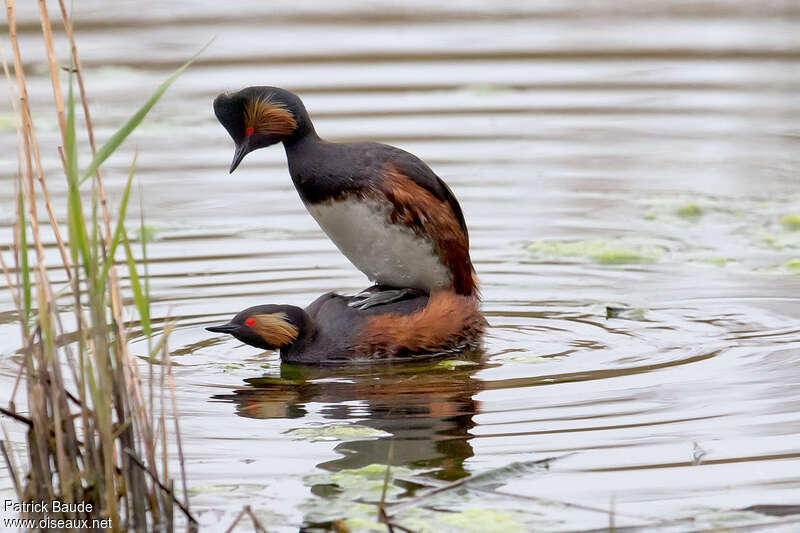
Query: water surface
623	154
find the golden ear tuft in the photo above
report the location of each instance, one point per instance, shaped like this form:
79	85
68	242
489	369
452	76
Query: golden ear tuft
275	329
268	118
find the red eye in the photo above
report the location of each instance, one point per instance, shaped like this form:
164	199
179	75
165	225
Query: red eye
249	130
250	321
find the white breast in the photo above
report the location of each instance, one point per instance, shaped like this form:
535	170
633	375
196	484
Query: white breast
389	254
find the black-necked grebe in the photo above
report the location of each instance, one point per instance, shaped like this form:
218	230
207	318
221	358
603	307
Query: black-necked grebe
385	209
332	331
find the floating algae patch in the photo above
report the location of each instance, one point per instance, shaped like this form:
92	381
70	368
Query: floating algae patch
337	432
355	495
603	251
468	505
466	511
717	261
8	121
714	260
690	211
723	519
215	489
793	266
777	240
452	364
147	233
687	210
194	491
472	519
365	483
791	222
367	522
777	234
528	358
479	520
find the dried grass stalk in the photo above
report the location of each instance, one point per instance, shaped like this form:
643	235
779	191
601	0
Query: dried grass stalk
91	439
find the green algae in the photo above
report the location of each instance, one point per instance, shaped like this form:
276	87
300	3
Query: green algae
791	222
528	358
214	489
365	483
374	470
793	266
452	364
690	211
147	233
778	235
779	240
770	241
356	516
605	252
352	495
716	261
8	121
361	523
480	520
364	517
194	491
338	432
620	257
470	520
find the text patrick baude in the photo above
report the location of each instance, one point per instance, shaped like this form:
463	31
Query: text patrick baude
51	507
54	506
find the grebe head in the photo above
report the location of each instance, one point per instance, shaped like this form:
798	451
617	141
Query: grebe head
268	327
256	117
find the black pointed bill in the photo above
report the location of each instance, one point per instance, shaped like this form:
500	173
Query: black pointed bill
242	149
223	328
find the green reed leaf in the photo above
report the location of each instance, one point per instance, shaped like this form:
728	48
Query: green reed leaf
78	241
121	214
141	299
23	259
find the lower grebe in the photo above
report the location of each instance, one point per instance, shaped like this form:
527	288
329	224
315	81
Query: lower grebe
330	330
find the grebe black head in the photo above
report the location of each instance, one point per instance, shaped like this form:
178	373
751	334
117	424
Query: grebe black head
269	327
257	117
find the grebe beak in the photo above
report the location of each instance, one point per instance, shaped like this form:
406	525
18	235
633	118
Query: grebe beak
223	328
242	149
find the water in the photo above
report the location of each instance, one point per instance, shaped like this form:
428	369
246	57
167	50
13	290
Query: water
638	156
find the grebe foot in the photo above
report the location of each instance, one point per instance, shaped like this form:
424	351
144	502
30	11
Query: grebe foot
365	300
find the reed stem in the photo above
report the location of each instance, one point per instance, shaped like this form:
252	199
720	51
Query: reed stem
119	464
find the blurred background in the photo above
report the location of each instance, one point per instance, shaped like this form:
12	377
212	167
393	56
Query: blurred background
641	156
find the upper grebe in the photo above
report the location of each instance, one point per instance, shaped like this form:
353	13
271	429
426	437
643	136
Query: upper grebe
384	208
